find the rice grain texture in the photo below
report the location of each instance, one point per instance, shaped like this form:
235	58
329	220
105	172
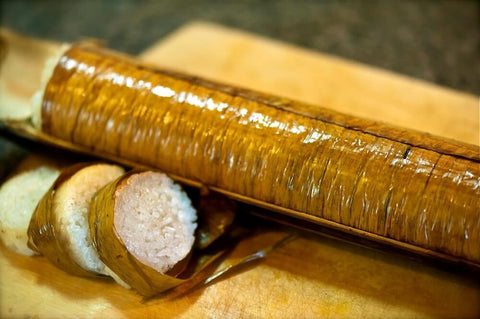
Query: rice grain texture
155	220
71	206
19	197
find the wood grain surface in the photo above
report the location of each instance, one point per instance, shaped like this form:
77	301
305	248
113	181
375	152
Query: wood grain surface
20	71
309	277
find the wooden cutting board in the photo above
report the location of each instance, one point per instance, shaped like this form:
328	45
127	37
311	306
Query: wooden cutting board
312	276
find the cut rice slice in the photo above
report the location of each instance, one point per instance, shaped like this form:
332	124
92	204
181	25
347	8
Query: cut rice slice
143	225
155	220
19	196
59	228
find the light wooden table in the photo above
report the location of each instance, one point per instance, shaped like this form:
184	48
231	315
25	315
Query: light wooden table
313	276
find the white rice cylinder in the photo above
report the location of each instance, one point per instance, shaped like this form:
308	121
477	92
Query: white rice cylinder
71	205
19	197
155	220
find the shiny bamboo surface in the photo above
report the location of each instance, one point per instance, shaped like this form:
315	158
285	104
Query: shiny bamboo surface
403	186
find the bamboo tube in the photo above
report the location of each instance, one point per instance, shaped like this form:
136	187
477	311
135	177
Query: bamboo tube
406	188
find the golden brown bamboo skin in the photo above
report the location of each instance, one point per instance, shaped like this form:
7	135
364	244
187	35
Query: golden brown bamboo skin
409	187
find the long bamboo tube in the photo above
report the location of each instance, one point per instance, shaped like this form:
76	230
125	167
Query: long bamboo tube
388	184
